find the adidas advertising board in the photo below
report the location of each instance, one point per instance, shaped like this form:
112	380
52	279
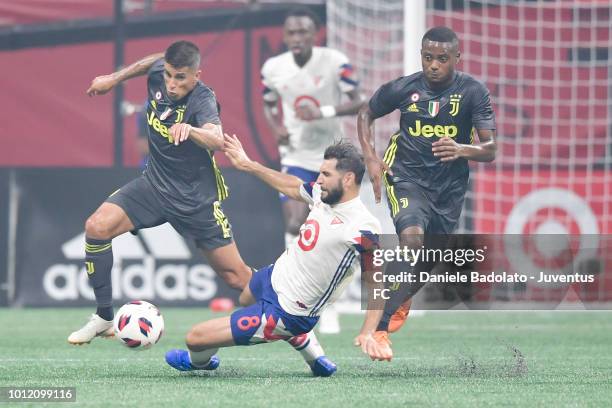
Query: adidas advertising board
156	264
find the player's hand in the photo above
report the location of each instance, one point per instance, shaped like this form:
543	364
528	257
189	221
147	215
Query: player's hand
101	85
235	152
376	168
308	113
179	132
446	149
376	350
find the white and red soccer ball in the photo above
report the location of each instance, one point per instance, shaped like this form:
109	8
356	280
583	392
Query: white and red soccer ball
138	324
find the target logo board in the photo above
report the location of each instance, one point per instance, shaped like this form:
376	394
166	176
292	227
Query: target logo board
543	203
550	225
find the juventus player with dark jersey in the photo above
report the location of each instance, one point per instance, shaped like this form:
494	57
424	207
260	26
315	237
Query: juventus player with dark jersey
425	167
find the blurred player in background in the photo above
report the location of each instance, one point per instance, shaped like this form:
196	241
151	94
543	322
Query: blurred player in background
308	82
181	184
283	301
425	167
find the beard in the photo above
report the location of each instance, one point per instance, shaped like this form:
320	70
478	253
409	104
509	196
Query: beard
333	195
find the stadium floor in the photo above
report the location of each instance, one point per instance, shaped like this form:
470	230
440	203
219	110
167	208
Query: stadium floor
441	359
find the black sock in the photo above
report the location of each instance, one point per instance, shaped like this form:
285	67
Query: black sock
98	264
399	294
105	312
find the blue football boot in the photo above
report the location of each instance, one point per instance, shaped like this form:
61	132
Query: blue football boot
180	360
323	367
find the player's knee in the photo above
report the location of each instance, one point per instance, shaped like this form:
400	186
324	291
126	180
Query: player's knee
98	227
411	240
237	278
196	337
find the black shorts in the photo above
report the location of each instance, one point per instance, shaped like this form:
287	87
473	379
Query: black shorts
208	227
411	205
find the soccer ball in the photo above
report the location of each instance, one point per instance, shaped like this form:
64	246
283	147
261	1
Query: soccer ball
138	324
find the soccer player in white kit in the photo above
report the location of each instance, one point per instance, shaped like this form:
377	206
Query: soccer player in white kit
283	301
308	82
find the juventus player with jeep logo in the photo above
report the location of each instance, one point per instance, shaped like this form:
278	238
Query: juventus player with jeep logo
181	184
425	167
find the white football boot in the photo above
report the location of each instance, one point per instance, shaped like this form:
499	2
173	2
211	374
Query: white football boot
96	326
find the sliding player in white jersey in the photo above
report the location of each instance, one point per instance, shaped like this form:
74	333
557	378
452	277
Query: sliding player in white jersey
284	300
308	82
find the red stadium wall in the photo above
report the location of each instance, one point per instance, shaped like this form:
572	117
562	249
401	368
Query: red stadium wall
51	122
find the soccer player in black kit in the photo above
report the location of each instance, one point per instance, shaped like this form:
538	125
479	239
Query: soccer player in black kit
181	184
425	167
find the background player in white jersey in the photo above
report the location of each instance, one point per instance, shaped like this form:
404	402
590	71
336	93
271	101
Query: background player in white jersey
308	82
284	300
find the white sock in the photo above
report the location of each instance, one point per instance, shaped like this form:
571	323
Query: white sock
308	346
289	239
201	358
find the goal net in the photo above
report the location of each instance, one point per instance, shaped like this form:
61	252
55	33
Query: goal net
549	70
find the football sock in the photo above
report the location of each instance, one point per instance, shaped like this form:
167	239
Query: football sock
201	358
308	346
98	264
105	312
398	293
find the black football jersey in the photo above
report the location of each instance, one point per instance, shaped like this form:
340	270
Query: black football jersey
426	116
186	176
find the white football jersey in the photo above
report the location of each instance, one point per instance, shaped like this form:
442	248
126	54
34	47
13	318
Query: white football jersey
320	82
314	270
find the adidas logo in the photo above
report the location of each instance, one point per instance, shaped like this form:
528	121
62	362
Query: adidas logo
156	264
413	108
336	221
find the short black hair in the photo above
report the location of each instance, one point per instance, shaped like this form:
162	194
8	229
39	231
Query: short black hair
348	157
183	54
302	11
441	34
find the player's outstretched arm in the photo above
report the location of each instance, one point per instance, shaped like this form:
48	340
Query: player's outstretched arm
448	149
102	84
285	183
375	166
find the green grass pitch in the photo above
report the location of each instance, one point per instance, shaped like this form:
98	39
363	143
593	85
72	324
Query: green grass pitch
441	359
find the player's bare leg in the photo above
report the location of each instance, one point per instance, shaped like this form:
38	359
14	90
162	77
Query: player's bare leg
107	222
203	341
228	264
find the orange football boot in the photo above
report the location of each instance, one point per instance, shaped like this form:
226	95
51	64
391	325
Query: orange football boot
399	317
